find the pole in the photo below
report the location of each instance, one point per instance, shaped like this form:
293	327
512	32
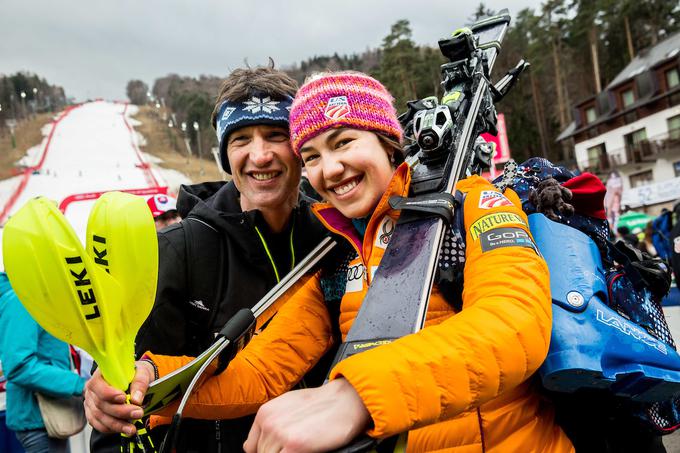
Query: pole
197	128
35	101
186	141
23	104
216	154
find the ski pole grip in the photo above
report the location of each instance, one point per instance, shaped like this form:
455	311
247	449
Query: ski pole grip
361	444
171	437
367	444
238	331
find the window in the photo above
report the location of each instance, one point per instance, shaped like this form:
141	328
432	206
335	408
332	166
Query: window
627	97
641	179
597	158
674	127
636	137
591	115
637	145
672	78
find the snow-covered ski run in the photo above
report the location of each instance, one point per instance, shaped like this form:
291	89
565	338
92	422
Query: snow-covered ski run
87	149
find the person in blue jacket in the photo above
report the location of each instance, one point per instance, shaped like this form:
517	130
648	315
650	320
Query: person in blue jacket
32	361
661	234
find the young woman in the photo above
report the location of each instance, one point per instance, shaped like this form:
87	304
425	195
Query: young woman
463	382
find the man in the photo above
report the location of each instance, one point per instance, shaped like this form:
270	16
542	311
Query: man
236	241
164	210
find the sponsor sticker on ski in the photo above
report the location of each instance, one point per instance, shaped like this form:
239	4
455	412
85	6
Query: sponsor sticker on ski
385	230
337	108
495	220
492	199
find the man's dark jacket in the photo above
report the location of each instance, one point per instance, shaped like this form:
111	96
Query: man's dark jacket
208	270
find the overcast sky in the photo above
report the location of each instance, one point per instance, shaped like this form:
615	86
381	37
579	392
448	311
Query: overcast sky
92	47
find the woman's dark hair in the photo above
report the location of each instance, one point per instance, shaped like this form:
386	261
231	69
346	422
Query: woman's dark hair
395	146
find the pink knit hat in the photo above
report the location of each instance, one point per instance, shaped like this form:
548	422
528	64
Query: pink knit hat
341	99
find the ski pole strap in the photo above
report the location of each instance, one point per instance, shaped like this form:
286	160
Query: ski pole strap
439	204
140	442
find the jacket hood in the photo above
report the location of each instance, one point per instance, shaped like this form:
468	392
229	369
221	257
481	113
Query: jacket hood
216	202
206	193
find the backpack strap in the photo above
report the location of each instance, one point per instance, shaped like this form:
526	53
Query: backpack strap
451	262
203	240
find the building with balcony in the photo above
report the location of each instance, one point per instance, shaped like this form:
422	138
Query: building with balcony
633	126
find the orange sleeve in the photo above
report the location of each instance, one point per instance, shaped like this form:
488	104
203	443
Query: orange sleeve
494	344
273	362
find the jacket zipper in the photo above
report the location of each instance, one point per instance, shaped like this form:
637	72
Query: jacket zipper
218	436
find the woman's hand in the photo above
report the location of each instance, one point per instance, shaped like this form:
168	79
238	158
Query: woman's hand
105	406
310	420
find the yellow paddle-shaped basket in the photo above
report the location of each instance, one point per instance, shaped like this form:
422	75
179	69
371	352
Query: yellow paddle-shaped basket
95	298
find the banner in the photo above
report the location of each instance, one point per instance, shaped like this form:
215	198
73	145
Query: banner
654	193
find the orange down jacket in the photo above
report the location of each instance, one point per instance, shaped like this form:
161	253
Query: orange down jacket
462	384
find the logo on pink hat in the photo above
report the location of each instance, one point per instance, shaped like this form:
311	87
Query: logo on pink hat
337	108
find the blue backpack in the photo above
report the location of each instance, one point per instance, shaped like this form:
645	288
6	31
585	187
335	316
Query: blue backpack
610	340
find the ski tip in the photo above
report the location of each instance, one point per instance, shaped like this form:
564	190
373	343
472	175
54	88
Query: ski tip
503	17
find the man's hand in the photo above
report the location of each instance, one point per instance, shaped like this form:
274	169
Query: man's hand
105	406
310	420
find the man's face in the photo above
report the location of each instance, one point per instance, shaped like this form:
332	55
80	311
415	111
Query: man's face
263	167
167	219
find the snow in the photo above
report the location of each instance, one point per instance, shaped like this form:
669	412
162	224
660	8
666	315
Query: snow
92	150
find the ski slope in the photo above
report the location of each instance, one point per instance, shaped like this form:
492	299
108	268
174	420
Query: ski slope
89	148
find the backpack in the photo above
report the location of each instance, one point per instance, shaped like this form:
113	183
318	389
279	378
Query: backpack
203	241
610	345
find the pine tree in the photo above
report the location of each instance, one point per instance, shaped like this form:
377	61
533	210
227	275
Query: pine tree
400	63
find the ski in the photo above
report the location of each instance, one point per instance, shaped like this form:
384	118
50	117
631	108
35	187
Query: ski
232	338
443	151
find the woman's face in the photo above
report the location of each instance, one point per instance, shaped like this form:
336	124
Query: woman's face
350	168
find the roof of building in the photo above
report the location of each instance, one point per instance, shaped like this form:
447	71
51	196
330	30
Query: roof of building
567	132
648	58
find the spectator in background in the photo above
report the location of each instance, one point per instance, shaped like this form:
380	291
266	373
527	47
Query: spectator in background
661	233
625	235
647	245
675	243
164	210
33	361
8	441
